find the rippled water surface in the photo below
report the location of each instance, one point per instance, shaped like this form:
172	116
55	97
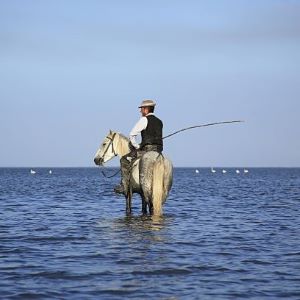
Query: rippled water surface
65	235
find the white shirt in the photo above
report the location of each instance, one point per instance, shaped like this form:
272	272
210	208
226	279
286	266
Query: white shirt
137	129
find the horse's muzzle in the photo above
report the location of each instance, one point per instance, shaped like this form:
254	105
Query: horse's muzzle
98	161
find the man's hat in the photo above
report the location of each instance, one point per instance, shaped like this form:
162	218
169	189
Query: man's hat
146	103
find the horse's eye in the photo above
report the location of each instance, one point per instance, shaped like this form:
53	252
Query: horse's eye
104	144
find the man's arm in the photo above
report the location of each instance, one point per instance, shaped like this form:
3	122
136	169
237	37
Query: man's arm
137	129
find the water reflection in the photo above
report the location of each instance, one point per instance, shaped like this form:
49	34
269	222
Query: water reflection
142	229
137	227
143	222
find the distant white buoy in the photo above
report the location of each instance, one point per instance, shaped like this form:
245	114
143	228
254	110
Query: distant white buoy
197	171
237	171
246	171
213	170
224	171
32	171
50	171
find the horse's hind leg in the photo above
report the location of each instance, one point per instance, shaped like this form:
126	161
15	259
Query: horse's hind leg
150	208
144	206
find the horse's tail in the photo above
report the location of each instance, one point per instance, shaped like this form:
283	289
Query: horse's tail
158	190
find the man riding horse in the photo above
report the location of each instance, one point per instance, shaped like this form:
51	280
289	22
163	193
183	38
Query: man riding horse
150	127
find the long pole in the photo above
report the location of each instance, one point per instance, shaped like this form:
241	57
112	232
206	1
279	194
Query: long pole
203	125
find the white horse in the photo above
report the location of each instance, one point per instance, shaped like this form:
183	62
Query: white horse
151	174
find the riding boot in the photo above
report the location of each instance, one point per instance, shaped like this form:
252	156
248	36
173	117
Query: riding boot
123	187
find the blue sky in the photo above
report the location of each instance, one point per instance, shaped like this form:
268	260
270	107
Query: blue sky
72	70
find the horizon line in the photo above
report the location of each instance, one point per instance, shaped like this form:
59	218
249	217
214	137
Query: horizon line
114	167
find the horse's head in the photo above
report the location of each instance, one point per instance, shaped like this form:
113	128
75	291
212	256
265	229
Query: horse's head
106	150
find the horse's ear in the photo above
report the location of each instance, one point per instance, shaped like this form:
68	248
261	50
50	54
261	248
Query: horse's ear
110	132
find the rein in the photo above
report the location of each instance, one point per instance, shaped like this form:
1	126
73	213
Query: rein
110	176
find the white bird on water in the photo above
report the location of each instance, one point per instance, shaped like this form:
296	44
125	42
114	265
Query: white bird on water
246	171
213	170
237	171
197	171
224	171
32	171
50	171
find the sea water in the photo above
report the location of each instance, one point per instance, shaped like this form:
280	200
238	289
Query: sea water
65	235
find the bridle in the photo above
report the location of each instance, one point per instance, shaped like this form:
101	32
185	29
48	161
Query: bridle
112	145
114	152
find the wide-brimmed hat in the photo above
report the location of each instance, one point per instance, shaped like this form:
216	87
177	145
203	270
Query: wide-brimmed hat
147	102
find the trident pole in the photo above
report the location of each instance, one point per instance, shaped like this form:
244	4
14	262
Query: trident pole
202	125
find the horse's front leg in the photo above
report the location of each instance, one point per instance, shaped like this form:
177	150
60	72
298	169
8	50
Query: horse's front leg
128	206
128	203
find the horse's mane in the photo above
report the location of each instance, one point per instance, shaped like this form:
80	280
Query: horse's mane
122	143
123	136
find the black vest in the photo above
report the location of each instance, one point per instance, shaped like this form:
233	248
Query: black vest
152	135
